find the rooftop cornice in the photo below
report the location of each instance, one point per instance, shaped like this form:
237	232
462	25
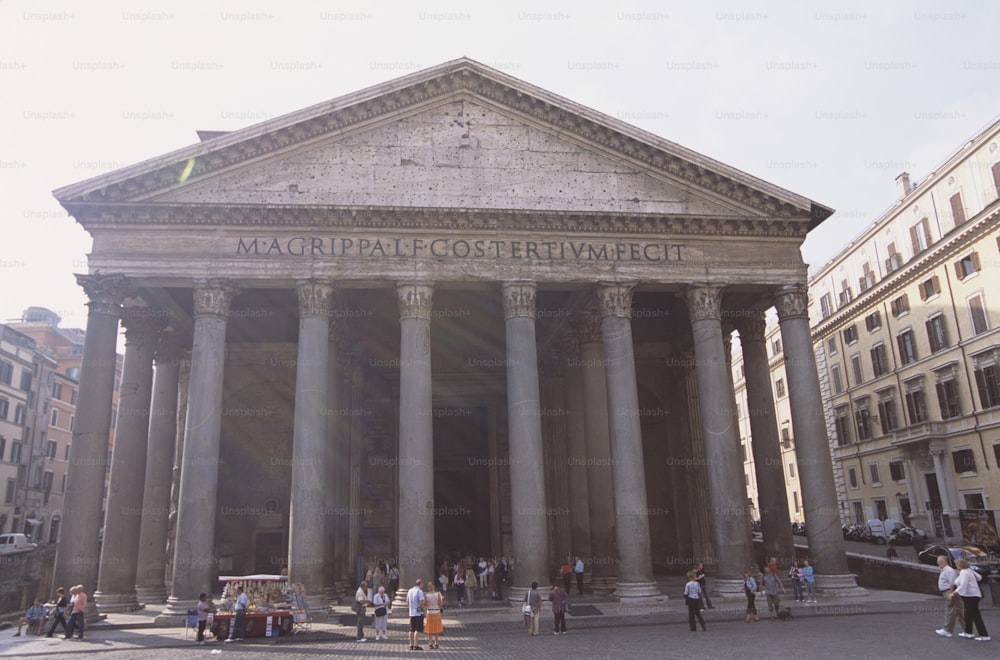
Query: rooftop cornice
461	78
95	216
947	248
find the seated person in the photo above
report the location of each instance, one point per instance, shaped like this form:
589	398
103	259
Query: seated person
35	617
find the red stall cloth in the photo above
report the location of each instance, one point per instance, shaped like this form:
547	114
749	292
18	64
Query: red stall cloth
256	624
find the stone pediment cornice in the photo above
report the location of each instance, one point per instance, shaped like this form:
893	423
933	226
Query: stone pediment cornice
461	78
96	216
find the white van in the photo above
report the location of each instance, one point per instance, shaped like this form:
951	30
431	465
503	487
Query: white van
14	543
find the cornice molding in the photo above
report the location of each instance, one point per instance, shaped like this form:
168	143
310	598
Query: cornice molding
98	216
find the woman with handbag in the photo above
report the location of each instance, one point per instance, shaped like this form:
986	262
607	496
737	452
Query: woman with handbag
532	608
435	606
382	604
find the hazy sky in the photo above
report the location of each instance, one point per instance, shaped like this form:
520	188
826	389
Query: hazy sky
830	101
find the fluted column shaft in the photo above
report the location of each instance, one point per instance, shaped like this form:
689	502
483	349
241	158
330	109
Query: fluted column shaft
819	493
727	492
306	527
765	443
123	518
527	466
194	547
635	563
416	440
79	549
150	584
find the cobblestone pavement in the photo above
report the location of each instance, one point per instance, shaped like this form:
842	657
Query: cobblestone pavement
884	625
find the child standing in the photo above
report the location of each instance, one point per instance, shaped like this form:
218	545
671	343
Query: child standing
692	596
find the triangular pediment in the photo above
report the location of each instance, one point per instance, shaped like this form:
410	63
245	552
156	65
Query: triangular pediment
459	154
459	135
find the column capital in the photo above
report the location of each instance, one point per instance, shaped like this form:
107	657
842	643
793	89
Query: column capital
792	301
143	323
751	325
415	299
315	298
519	299
169	347
704	301
106	292
615	300
212	297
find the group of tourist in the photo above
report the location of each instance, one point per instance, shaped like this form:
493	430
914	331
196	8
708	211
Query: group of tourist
75	606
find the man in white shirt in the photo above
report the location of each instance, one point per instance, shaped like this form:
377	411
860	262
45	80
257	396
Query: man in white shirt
239	621
953	609
415	600
578	569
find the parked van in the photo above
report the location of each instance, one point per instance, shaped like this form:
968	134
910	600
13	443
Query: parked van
890	529
14	543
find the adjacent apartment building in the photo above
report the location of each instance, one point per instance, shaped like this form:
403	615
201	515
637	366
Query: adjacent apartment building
906	329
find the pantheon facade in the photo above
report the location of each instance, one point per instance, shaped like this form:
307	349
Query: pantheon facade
451	313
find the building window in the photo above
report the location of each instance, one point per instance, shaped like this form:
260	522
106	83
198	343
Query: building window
47	481
920	236
72	396
826	305
4	407
57	391
967	265
907	347
988	384
66	453
863	421
937	335
957	209
3	446
838	385
867	280
896	470
930	288
11	489
846	295
72	422
19	414
873	321
843	426
63	484
26	381
852	477
114	418
776	347
880	360
856	369
73	372
873	470
850	334
948	399
6	372
55	418
51	449
786	438
977	312
779	387
831	345
795	500
15	452
880	511
791	470
894	261
965	461
996	176
900	305
916	406
887	414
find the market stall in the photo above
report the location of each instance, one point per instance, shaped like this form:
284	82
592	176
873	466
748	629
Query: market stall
270	610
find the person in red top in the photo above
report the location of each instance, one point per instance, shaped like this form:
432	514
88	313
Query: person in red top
567	575
78	604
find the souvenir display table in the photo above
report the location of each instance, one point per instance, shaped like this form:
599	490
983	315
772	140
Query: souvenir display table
269	613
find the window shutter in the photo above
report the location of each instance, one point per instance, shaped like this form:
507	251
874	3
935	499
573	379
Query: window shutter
936	282
976	266
915	240
959	271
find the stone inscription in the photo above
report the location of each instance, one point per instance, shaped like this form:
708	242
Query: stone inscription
456	248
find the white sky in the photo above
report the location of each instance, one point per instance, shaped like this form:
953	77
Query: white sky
830	101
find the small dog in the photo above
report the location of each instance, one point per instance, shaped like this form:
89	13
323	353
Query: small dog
784	613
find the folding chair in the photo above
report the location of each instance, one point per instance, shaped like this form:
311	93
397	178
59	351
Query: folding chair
190	622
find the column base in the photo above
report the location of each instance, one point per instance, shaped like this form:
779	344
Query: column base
603	585
726	589
638	594
151	594
841	585
112	602
175	611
